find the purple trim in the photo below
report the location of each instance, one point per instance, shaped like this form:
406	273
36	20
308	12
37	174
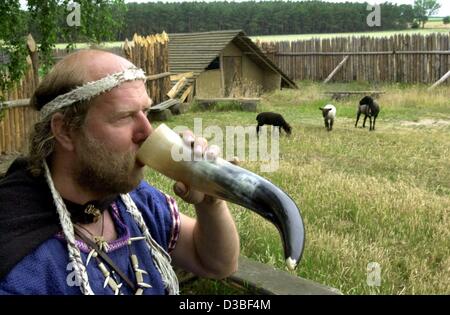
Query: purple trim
113	245
175	223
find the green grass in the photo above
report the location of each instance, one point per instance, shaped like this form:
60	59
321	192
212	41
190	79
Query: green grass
380	196
430	28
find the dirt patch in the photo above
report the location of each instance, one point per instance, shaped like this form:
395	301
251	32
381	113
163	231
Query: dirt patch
426	123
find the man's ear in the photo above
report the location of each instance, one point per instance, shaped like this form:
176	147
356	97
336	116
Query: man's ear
61	132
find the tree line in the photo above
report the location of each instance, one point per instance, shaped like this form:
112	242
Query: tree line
261	18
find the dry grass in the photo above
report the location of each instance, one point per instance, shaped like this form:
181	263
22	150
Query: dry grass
380	196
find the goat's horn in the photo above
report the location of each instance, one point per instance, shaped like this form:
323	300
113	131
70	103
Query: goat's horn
163	151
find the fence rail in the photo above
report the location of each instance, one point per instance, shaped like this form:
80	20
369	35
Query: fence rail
400	58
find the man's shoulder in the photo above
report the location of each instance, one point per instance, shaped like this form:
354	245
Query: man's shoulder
48	261
144	191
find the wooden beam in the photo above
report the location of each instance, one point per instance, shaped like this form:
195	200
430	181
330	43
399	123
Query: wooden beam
336	69
33	53
264	279
440	81
176	88
158	76
177	77
16	103
186	94
222	75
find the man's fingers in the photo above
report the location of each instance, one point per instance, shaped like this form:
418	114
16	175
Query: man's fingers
235	160
212	152
187	194
200	145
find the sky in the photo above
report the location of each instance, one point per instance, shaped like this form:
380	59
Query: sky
444	11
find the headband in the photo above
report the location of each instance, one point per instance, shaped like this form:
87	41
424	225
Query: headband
92	89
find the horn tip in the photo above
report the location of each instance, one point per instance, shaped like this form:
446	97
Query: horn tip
291	263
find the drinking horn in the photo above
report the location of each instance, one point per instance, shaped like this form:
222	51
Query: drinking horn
166	152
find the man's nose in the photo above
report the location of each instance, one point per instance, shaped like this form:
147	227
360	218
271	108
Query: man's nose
144	128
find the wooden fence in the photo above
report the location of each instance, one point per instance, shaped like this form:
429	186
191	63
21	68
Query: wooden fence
17	120
151	53
399	58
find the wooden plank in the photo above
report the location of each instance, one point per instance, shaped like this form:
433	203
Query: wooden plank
266	279
339	66
17	103
440	81
186	94
177	77
158	76
164	105
177	87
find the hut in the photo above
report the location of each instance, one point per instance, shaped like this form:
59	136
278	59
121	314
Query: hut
222	64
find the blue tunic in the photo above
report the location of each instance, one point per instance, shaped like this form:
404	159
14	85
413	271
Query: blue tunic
48	270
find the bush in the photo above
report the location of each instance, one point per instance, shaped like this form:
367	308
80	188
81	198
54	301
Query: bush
415	25
446	20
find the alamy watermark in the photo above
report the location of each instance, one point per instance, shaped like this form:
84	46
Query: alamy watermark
74	17
374	17
373	274
263	147
72	278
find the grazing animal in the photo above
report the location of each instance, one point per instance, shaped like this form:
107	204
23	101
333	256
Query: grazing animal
370	108
274	119
329	114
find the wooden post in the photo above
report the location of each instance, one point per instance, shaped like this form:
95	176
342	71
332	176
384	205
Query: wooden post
439	82
222	74
336	69
32	50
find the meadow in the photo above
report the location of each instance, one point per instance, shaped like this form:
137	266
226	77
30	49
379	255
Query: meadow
294	37
381	196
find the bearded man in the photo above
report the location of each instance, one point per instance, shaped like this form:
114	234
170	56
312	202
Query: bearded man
76	216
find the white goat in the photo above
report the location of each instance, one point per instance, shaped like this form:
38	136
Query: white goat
329	115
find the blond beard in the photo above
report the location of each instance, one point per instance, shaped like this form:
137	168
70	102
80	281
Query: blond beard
104	171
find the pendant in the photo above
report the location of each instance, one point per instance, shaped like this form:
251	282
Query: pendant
90	209
101	243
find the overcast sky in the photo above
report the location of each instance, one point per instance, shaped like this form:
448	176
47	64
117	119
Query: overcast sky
444	11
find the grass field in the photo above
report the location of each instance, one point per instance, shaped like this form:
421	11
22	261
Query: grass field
380	196
429	29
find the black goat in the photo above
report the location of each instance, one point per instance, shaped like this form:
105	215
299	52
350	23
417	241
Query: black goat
274	119
370	108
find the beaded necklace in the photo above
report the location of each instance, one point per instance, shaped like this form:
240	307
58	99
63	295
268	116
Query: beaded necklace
99	248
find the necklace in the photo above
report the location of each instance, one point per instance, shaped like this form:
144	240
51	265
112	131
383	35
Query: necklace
99	240
99	248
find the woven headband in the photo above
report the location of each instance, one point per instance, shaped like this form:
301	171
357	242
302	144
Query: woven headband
92	89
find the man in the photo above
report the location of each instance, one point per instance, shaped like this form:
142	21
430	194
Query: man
76	216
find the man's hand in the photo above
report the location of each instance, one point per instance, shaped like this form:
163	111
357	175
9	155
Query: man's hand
201	149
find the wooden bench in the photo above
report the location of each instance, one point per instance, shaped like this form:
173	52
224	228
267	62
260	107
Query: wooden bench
163	111
341	94
164	105
257	278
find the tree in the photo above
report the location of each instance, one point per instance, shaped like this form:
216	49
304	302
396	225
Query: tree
46	20
12	45
424	9
446	20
